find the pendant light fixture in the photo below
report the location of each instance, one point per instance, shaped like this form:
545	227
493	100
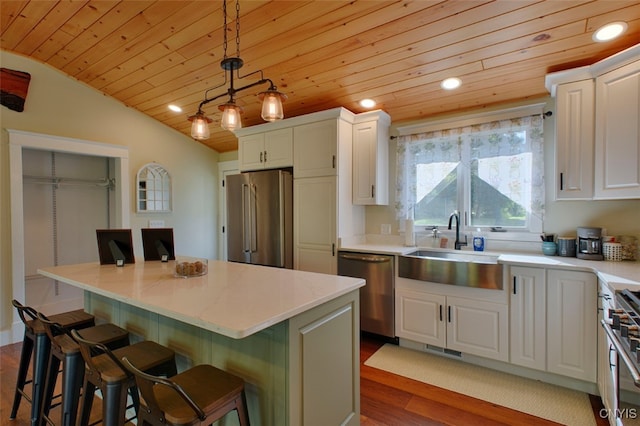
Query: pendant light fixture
231	112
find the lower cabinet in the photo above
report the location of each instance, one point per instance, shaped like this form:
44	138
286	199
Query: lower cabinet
553	321
466	325
314	218
527	318
571	324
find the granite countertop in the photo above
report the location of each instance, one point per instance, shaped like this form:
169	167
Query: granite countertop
617	275
232	299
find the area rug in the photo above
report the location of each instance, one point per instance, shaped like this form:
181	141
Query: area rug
555	403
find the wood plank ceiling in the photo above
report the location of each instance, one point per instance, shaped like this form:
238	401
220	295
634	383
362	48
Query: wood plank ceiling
322	54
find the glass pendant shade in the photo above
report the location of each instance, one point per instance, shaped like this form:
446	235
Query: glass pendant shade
231	116
200	126
272	105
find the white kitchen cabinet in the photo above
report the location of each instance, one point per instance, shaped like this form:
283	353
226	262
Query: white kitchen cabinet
571	324
478	327
617	141
266	150
420	317
371	158
553	321
323	208
314	221
574	140
316	149
474	327
527	317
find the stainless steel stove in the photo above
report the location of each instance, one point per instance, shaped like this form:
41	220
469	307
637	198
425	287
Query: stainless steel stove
624	330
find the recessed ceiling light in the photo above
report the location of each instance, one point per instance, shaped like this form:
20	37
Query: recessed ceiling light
175	108
367	103
451	83
610	31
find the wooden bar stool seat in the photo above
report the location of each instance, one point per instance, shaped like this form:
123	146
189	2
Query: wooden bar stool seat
198	396
66	351
105	371
35	353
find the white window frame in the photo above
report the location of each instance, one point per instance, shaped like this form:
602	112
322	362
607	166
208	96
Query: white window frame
535	224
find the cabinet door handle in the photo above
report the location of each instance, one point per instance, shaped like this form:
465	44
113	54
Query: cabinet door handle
514	286
265	156
440	313
333	249
373	191
261	154
449	313
561	181
333	161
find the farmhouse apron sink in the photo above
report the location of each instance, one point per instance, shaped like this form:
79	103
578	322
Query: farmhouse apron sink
452	268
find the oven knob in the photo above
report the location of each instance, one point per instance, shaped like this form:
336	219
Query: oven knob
629	330
615	311
619	319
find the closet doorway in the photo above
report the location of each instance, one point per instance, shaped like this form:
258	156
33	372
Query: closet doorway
45	212
66	197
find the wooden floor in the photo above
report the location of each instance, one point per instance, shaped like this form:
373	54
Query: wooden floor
386	399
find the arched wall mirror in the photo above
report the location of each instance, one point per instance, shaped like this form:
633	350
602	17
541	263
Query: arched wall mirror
153	189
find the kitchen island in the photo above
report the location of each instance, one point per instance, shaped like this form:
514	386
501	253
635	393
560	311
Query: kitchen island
292	335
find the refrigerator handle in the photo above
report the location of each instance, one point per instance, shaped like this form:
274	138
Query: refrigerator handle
253	233
246	228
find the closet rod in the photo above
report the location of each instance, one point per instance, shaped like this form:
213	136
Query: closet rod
49	180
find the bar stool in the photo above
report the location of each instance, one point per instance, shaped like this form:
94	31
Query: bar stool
105	371
65	350
35	352
200	395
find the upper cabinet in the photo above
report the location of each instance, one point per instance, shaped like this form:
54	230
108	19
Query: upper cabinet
316	149
266	150
574	140
371	158
598	128
617	141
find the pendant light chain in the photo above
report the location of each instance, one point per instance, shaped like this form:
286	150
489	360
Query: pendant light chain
224	29
237	28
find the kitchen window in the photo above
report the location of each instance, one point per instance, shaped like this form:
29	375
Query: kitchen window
490	168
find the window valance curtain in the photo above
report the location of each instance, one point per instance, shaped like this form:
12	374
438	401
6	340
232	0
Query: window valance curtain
509	137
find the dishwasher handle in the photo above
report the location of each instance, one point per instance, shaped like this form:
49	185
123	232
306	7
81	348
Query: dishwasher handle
365	258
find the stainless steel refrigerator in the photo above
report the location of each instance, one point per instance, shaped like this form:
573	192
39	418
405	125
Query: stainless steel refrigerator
260	218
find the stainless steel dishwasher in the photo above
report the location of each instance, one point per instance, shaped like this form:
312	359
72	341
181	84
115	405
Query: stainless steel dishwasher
377	306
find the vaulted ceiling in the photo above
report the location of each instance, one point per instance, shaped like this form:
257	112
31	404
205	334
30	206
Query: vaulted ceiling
322	54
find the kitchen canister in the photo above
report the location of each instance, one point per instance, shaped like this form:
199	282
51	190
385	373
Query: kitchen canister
567	246
629	245
549	248
612	251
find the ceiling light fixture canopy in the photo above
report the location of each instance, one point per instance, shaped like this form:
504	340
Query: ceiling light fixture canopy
231	112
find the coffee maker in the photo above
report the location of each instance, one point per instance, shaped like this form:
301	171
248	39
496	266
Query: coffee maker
589	243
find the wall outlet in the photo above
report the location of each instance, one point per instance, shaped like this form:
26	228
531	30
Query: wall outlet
385	229
156	224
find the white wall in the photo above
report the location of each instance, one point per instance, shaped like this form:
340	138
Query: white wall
561	217
58	105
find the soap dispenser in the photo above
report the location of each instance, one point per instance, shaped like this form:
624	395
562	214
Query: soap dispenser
478	241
